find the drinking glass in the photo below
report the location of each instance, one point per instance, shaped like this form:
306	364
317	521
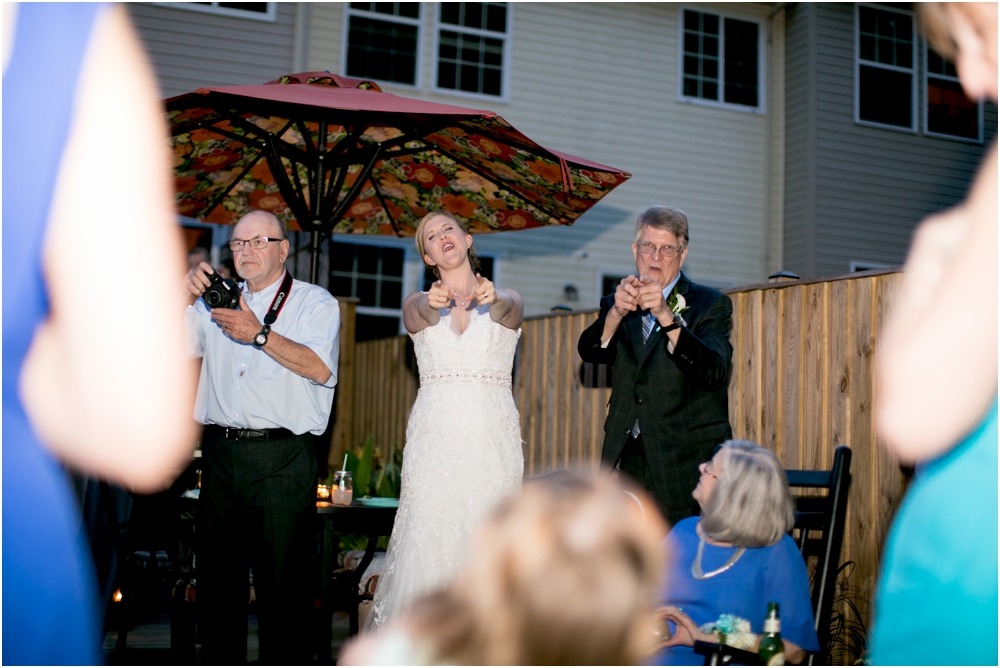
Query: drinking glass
343	488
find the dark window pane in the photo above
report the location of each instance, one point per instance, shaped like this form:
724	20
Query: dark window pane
690	20
342	257
492	82
867	47
866	19
392	261
949	111
691	43
470	78
371	327
710	68
710	24
710	46
368	260
366	292
691	65
710	90
410	10
609	284
340	286
473	15
690	87
741	62
448	45
884	51
257	7
885	96
904	54
449	12
361	5
392	294
493	52
496	18
446	75
385	8
374	48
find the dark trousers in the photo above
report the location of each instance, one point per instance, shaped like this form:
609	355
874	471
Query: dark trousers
257	510
633	463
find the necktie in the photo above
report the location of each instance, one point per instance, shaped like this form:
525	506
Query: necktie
648	321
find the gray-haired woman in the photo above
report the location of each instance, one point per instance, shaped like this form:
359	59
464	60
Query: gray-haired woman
729	563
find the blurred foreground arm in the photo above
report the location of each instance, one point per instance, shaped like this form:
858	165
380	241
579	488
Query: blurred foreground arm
106	382
937	360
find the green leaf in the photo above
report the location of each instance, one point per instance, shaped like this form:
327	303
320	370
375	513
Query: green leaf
363	473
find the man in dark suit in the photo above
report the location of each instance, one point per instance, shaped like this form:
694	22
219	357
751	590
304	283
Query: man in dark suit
668	340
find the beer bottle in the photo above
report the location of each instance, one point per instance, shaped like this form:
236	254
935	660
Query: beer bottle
772	650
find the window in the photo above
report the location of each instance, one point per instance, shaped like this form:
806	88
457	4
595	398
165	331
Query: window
886	67
721	60
383	40
472	40
865	265
948	111
609	283
260	11
485	270
373	274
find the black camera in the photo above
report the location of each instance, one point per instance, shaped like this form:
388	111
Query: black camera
222	293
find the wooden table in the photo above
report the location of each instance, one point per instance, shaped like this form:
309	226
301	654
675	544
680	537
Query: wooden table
342	594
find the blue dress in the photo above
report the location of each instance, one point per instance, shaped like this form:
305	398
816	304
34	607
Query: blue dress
50	612
937	599
762	575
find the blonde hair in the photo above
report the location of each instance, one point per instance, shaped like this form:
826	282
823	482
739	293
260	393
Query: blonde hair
566	574
421	244
750	505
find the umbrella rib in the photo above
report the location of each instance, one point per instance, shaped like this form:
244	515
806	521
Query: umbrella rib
341	208
284	185
385	207
217	200
493	180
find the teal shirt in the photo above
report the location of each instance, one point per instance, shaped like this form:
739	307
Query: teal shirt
937	599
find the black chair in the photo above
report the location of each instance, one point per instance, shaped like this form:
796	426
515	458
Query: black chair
826	516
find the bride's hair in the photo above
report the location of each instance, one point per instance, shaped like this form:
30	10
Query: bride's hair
565	574
419	237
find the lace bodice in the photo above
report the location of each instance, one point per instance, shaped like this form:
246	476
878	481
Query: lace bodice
484	352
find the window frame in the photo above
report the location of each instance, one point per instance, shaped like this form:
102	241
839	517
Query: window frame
926	105
417	22
913	70
406	279
270	16
479	32
761	107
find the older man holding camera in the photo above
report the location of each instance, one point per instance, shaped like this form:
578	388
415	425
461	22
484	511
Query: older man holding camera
268	373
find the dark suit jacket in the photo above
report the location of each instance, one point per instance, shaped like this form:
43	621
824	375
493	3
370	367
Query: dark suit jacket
681	399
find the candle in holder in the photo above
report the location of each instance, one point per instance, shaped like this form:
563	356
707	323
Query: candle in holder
323	492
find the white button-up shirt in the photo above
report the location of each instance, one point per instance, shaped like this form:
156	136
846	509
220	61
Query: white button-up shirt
242	386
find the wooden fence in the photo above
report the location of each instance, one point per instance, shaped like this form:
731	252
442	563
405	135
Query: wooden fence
802	383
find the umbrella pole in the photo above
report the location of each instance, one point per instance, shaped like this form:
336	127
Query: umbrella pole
314	248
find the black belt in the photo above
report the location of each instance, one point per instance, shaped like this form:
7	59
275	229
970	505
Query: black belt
237	434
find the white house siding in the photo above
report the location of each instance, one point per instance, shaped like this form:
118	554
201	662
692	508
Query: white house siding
862	189
190	49
600	81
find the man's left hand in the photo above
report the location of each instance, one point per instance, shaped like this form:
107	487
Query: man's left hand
240	325
651	298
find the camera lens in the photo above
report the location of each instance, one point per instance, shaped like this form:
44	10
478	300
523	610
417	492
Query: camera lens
213	297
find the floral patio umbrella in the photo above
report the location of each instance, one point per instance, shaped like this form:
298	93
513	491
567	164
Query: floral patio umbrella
329	154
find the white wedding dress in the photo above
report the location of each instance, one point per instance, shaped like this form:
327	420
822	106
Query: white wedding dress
462	457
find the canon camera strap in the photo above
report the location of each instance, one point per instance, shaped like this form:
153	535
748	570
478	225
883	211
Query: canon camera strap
279	300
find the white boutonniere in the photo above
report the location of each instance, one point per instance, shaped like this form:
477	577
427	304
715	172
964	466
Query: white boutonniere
677	305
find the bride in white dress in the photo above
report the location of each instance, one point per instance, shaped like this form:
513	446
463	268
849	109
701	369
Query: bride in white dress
463	452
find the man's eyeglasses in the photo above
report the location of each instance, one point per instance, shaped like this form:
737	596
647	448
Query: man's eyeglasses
708	469
647	248
257	243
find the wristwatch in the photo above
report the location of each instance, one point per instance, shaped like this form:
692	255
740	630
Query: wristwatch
676	324
261	338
